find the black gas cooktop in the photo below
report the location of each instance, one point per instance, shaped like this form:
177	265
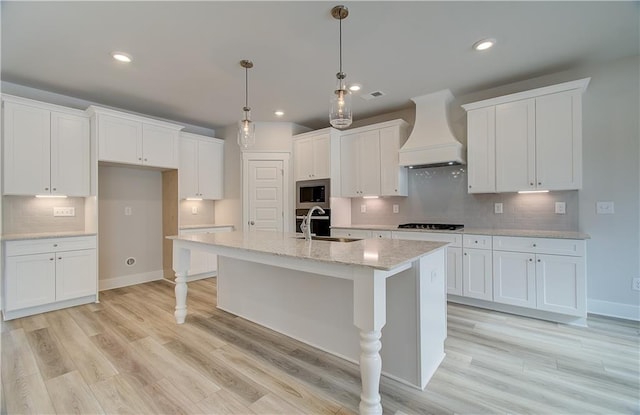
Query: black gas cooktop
431	226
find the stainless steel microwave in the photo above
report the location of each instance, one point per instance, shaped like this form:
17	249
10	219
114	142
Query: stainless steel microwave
310	193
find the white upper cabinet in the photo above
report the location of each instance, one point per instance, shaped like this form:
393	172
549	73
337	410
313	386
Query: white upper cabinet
46	149
200	173
527	141
130	139
369	160
312	156
481	150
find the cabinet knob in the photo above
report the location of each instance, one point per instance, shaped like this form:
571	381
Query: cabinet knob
476	241
538	260
465	254
539	183
530	259
395	190
145	159
55	245
139	158
46	188
252	223
50	259
534	245
531	184
54	189
59	257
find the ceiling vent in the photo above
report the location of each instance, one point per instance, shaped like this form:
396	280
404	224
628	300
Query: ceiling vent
372	95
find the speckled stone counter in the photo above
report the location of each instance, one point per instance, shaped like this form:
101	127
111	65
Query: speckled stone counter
204	226
45	235
527	233
383	254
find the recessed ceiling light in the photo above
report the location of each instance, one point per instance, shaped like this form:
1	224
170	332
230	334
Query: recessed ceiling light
121	56
279	113
355	87
484	44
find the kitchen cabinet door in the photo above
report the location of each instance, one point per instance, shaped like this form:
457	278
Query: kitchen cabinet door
454	270
188	169
369	163
119	140
76	274
559	141
481	150
349	168
322	156
560	284
27	150
515	146
211	169
159	146
393	178
477	274
70	155
514	276
303	159
30	280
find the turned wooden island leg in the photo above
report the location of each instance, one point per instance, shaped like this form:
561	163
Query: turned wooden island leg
181	261
369	314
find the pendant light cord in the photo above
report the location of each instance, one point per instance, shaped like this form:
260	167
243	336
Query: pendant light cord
340	44
246	88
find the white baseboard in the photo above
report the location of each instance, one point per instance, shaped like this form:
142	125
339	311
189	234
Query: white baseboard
610	309
126	280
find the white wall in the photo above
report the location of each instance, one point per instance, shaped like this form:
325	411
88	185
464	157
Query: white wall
138	235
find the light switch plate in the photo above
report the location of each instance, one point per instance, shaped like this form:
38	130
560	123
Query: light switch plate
127	211
497	207
64	211
396	209
561	208
194	210
363	208
604	208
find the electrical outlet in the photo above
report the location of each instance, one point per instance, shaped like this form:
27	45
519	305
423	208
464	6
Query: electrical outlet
64	211
561	208
128	211
194	210
604	208
363	208
636	284
497	207
396	209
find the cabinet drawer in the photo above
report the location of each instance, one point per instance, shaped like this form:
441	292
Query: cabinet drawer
476	241
381	234
571	247
35	246
454	238
351	233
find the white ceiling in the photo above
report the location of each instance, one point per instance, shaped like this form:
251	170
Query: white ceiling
186	54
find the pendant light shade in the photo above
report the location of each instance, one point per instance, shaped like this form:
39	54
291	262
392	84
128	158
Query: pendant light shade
340	115
246	127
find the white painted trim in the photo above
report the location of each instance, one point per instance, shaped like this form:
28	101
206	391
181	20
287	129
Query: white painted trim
58	305
126	280
94	110
43	105
580	84
611	309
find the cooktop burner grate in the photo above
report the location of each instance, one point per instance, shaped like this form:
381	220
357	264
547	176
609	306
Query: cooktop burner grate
431	226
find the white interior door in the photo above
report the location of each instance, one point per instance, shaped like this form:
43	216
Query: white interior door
266	197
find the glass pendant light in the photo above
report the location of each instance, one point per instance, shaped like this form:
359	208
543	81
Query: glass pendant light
246	127
340	115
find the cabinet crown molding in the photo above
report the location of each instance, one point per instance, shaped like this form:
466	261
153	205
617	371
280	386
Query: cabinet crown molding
42	105
580	84
95	110
200	137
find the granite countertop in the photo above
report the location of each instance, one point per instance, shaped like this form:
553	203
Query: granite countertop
383	254
204	226
528	233
45	235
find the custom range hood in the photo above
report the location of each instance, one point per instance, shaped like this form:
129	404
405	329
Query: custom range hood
431	143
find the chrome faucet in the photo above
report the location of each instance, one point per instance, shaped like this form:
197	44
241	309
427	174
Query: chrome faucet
305	226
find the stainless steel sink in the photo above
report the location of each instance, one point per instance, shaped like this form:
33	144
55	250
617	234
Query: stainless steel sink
329	239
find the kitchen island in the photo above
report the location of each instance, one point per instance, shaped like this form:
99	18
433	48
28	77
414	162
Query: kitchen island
317	291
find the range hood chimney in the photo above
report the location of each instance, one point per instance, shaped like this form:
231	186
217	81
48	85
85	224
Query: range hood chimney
431	143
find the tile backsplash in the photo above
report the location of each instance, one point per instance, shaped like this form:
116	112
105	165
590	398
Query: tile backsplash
28	214
205	212
440	195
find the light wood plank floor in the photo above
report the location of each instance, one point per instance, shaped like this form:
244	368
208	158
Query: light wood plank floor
126	355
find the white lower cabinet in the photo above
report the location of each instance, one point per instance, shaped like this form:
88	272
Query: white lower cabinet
538	273
477	267
203	264
48	274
